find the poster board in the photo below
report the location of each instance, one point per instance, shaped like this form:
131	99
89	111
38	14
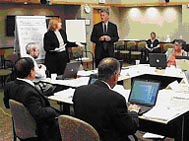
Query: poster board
76	30
30	29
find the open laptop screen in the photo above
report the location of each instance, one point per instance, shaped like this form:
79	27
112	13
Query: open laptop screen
93	78
70	71
144	92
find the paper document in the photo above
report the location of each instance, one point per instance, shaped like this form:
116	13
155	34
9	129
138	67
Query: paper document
175	86
150	136
65	94
120	89
162	112
59	49
86	73
71	82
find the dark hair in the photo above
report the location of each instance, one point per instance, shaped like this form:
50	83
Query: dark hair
153	33
23	67
107	68
178	41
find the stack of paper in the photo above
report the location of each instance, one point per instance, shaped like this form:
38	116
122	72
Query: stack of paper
65	94
162	112
152	136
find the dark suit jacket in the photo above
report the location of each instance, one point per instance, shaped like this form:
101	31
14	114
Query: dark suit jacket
97	32
53	60
106	111
36	103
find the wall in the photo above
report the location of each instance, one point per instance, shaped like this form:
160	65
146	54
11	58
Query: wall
184	28
127	26
64	11
138	22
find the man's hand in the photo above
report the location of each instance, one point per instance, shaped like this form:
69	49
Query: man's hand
102	38
134	107
107	38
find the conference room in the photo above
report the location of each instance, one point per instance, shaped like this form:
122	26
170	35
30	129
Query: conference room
138	23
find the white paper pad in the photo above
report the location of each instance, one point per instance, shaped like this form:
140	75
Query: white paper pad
120	89
86	73
150	135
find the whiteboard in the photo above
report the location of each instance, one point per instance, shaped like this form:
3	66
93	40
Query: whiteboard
30	29
76	30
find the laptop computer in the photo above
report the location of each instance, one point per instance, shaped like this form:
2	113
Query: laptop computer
182	64
158	60
121	64
186	73
144	94
70	71
93	78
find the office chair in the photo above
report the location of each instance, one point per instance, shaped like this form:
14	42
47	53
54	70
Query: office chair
4	72
167	46
24	125
80	54
120	50
74	129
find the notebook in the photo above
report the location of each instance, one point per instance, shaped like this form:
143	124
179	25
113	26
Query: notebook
144	94
158	60
70	71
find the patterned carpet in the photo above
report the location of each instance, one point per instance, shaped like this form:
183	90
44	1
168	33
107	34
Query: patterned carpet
5	126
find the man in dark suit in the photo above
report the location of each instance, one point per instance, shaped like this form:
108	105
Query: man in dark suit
24	91
105	109
104	35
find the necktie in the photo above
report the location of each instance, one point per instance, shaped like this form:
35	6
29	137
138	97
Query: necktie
105	28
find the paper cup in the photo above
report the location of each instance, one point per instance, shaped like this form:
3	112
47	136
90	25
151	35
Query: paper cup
137	62
53	76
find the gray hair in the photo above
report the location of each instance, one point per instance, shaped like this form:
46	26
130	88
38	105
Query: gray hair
31	45
107	68
106	10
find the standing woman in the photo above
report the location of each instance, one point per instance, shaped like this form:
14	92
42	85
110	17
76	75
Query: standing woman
56	46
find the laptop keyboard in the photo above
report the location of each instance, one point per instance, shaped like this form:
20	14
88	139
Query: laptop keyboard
143	109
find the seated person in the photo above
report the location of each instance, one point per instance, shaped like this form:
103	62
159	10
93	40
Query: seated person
173	52
105	109
152	44
24	91
33	51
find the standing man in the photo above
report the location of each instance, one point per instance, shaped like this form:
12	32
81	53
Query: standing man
105	109
104	35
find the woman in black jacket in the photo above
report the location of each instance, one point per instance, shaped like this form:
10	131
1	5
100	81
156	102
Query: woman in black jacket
56	46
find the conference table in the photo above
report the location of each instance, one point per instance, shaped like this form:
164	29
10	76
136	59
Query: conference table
166	118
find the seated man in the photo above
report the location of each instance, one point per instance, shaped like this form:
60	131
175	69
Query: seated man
24	91
33	51
105	109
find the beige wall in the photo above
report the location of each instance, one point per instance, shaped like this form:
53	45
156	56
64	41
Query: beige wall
138	22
